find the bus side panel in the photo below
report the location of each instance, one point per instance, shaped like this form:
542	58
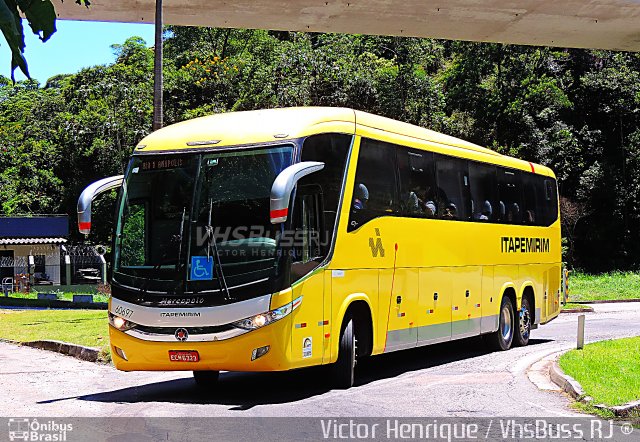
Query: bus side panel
326	329
533	275
505	277
466	301
307	323
434	305
401	286
348	286
553	296
490	302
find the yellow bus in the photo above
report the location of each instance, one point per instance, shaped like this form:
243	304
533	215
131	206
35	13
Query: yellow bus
286	238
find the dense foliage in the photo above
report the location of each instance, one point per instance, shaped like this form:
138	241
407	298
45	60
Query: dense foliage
576	111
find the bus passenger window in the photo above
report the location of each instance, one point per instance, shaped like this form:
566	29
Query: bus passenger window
533	198
417	183
453	188
484	192
548	210
375	190
510	194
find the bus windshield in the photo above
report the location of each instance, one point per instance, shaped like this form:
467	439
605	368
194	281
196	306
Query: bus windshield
232	209
154	212
174	206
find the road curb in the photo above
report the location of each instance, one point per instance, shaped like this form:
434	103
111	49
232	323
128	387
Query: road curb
578	310
566	382
622	410
574	389
606	301
89	354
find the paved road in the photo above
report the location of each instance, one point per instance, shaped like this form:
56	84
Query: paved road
457	379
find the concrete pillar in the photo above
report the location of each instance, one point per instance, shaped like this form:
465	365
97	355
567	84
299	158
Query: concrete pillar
67	269
31	265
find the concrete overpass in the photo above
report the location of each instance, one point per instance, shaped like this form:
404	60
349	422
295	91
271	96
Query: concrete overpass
605	24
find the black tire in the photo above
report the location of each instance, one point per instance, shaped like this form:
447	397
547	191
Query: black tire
206	379
344	368
523	330
502	338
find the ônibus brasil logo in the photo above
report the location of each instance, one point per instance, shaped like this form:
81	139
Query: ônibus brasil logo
32	430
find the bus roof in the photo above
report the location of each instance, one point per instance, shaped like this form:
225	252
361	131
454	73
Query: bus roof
269	125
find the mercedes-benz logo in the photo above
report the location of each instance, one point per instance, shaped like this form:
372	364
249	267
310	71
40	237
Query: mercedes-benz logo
181	334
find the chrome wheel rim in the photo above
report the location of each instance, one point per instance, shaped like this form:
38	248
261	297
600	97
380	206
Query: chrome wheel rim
525	322
506	323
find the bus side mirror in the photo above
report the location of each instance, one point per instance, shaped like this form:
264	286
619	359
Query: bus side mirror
283	186
88	195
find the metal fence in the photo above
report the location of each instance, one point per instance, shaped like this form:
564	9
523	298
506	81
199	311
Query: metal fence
42	266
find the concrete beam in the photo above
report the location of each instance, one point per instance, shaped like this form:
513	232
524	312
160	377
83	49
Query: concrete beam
604	24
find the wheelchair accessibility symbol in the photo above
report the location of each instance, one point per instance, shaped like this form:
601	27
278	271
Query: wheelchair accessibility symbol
201	268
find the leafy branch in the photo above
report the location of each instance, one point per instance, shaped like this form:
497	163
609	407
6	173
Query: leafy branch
41	16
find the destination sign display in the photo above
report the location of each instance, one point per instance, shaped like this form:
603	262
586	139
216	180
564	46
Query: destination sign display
163	163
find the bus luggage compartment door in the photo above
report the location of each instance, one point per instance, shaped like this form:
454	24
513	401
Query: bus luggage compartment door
466	307
402	287
435	306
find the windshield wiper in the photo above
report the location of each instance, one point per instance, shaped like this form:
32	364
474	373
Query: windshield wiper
216	259
179	239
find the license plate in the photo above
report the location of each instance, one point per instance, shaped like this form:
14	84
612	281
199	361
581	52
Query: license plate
183	356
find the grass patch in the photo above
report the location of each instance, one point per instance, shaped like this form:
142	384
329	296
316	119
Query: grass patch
616	285
570	306
607	370
82	327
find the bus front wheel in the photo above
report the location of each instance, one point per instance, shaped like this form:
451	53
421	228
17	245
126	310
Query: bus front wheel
344	368
206	379
502	338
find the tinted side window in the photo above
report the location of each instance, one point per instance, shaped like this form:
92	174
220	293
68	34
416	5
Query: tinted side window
484	192
549	209
417	183
454	201
375	190
533	201
332	150
510	196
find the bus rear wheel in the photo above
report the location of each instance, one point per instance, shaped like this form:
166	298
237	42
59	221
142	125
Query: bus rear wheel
343	369
502	338
206	379
523	330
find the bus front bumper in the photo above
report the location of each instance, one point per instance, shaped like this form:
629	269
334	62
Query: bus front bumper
132	354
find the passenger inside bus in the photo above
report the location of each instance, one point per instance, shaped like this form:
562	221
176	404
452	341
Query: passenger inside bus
360	197
359	205
513	216
450	212
529	217
419	203
485	212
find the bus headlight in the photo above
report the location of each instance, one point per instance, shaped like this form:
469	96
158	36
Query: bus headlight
257	321
120	323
